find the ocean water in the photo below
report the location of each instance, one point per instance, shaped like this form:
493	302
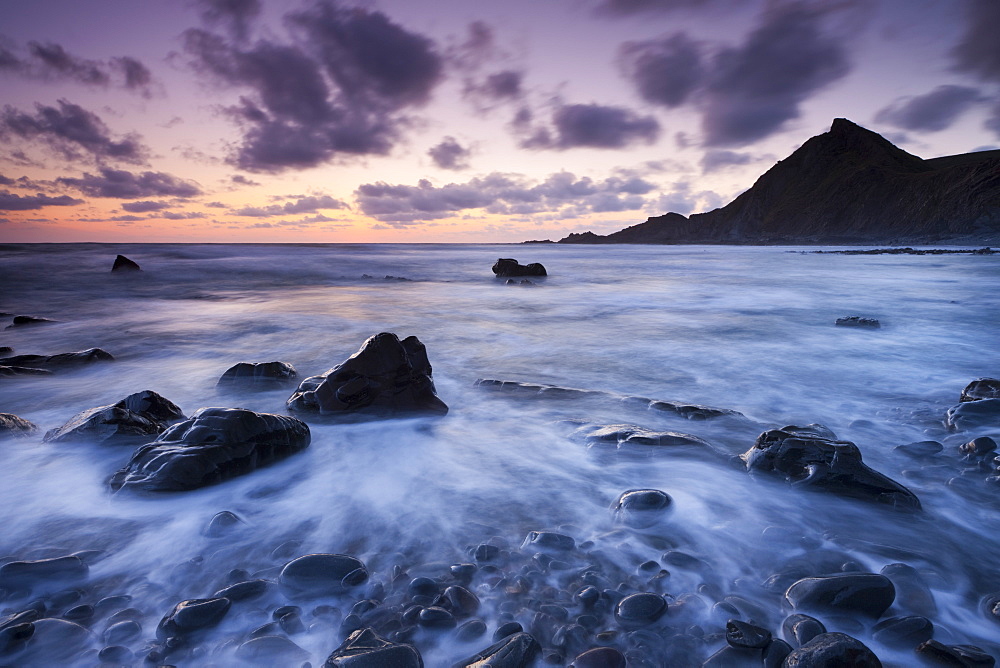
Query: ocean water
741	328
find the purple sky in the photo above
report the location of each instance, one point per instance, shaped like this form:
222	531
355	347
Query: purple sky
454	120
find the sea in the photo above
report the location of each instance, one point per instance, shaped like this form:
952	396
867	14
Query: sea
748	329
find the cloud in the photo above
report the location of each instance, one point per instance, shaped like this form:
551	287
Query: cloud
494	89
933	111
11	202
236	15
55	59
978	51
592	126
187	215
72	131
339	91
144	206
497	193
666	71
717	159
6	180
449	154
310	204
681	199
623	7
755	88
993	122
122	184
50	61
242	180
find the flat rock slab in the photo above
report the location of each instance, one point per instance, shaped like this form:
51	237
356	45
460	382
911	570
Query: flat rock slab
214	445
60	361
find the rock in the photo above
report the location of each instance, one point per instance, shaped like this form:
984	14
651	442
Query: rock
912	593
6	351
600	657
991	607
386	377
22	371
192	615
920	449
60	361
867	594
979	448
903	632
137	417
470	630
733	657
55	642
271	651
366	649
122	632
641	609
548	540
244	591
124	264
505	267
858	321
963	656
833	650
515	651
965	416
28	321
214	445
775	653
506	630
798	629
11	426
18	575
222	523
642	507
14	636
259	375
625	434
322	574
825	464
460	601
743	635
812	429
981	388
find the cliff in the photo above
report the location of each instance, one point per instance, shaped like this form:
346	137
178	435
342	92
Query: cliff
848	185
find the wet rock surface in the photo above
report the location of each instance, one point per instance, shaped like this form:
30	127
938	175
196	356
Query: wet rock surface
832	650
257	375
981	388
137	418
642	507
507	267
11	426
514	651
214	445
866	594
968	415
858	321
125	265
58	362
28	321
625	434
385	377
319	574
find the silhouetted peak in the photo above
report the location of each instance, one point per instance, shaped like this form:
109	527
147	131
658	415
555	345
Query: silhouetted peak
844	126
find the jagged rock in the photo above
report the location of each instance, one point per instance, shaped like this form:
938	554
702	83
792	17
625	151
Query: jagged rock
60	361
506	267
743	635
626	434
122	263
192	615
858	321
28	321
366	649
214	445
13	426
825	464
259	375
386	376
867	594
137	417
965	656
514	651
833	650
322	574
968	415
981	388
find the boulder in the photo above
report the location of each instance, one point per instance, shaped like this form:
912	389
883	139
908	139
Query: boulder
642	507
21	575
257	375
824	464
626	434
27	321
136	418
954	655
13	426
192	615
507	267
214	445
833	650
858	321
322	574
60	361
967	415
366	649
640	609
903	632
981	388
865	594
514	651
385	377
122	263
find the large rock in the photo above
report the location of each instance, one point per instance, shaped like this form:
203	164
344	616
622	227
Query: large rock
968	415
322	574
626	434
505	267
833	650
824	464
385	377
192	615
23	371
514	651
214	445
865	594
60	361
122	263
28	321
13	426
642	507
136	418
366	649
981	388
259	375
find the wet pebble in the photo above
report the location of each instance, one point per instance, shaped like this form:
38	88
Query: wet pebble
903	632
122	632
436	617
832	649
271	650
640	609
365	648
322	574
244	591
600	657
470	630
548	540
966	656
507	629
460	601
775	653
798	629
867	594
920	449
192	615
222	524
743	635
116	655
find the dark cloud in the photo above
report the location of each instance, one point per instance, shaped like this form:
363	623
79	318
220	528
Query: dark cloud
449	154
6	180
236	15
72	131
49	61
932	111
978	51
217	205
478	48
126	219
187	215
622	7
507	194
135	75
11	202
239	179
55	59
993	122
717	159
310	204
9	60
122	184
592	126
144	206
494	89
340	90
665	71
754	88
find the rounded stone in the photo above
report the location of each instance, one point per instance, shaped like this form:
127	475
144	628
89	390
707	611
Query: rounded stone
470	630
600	657
272	650
322	574
640	609
642	507
903	632
507	629
832	650
191	615
798	629
743	635
867	594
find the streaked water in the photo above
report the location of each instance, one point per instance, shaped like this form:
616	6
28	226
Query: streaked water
749	329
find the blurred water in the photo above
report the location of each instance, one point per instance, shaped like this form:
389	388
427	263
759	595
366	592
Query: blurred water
750	329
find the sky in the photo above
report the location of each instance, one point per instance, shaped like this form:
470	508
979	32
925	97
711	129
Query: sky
454	120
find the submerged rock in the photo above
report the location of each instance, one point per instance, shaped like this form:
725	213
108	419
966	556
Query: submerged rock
122	263
824	464
322	574
60	361
642	507
981	388
966	656
366	649
271	651
258	375
626	434
192	615
833	650
214	445
507	267
137	417
514	651
858	321
867	594
22	371
967	415
386	376
21	575
13	426
27	321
